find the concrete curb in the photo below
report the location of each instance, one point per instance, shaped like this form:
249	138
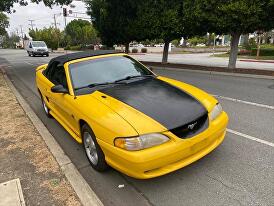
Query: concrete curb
215	73
86	195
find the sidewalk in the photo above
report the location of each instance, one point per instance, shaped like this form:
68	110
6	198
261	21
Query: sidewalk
24	155
206	60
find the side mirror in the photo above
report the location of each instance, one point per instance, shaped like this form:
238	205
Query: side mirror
59	89
30	46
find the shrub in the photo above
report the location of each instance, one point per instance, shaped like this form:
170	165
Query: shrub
75	48
104	47
67	47
267	46
144	50
263	52
250	44
244	52
134	50
197	40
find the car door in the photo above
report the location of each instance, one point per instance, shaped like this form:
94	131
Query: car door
61	104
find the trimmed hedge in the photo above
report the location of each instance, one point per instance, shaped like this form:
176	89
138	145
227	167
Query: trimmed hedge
263	52
134	50
144	50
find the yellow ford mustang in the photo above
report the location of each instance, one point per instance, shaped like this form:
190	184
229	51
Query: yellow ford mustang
127	117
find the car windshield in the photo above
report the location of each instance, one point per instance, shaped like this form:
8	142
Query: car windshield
105	70
38	44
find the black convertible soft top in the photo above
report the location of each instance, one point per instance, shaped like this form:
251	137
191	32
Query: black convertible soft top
78	55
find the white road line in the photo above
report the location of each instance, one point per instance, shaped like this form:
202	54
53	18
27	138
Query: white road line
250	137
30	63
244	102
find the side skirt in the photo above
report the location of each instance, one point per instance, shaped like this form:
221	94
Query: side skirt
75	136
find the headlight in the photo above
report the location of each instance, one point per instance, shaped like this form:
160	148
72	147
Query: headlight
140	142
216	111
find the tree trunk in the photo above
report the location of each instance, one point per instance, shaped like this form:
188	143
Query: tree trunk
165	53
258	47
127	48
233	50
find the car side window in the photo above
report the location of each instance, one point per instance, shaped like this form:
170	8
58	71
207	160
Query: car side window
56	74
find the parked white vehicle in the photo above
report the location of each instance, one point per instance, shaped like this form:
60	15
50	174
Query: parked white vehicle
37	48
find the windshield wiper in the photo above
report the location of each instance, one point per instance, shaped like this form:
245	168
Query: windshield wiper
94	85
119	81
132	77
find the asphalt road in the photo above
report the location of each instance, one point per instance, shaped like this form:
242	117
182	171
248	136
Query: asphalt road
238	172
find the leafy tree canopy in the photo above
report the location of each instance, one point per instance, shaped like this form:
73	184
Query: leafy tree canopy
10	41
235	17
115	20
81	32
161	18
6	5
50	35
4	23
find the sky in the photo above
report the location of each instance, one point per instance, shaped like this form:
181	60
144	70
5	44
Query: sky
42	16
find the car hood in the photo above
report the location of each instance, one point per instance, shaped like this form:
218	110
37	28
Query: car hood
152	105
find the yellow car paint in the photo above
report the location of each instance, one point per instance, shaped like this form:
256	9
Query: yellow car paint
100	111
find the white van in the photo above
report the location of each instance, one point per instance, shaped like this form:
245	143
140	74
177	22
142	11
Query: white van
37	48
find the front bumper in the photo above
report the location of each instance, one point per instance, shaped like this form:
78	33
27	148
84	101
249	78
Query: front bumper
40	52
168	157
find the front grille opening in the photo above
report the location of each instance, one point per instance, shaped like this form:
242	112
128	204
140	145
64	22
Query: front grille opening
192	128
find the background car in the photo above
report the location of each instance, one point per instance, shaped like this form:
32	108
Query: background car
35	48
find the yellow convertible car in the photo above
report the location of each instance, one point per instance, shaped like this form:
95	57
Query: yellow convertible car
126	116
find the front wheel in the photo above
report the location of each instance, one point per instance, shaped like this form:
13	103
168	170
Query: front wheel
45	107
93	151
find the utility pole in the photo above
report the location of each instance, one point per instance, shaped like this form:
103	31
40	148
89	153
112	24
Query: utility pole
21	26
22	34
31	24
55	24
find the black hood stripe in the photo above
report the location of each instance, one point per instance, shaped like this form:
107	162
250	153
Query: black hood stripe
165	103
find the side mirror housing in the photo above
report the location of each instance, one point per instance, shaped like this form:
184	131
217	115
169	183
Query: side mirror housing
59	89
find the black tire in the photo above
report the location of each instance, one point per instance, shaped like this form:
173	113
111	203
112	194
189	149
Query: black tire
47	54
45	107
29	54
101	164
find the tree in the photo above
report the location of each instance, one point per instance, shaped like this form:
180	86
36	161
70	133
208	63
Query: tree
161	19
81	32
51	36
115	20
10	41
234	17
6	5
4	23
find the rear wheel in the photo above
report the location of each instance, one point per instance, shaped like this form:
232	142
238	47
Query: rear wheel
93	151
